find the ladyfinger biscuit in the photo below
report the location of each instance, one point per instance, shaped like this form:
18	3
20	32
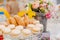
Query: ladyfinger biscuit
19	20
26	20
13	21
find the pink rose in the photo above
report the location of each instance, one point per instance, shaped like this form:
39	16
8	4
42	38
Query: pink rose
35	5
48	15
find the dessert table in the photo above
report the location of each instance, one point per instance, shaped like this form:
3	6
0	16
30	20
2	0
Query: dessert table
52	27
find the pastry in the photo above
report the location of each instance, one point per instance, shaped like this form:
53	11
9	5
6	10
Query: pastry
26	20
39	25
30	26
19	27
11	26
26	32
13	21
36	22
30	21
6	30
19	20
4	23
35	30
15	32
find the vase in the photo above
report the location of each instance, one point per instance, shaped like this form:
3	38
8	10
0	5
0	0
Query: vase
43	20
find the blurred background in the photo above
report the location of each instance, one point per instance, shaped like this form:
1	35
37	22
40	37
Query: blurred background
53	24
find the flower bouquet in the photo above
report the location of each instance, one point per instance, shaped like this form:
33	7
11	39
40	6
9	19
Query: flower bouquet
42	10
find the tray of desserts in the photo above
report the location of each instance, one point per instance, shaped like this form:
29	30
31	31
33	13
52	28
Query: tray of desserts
21	27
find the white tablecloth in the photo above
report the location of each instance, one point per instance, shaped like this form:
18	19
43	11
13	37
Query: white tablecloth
54	28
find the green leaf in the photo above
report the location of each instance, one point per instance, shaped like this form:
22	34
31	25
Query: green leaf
49	3
41	1
30	5
42	10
